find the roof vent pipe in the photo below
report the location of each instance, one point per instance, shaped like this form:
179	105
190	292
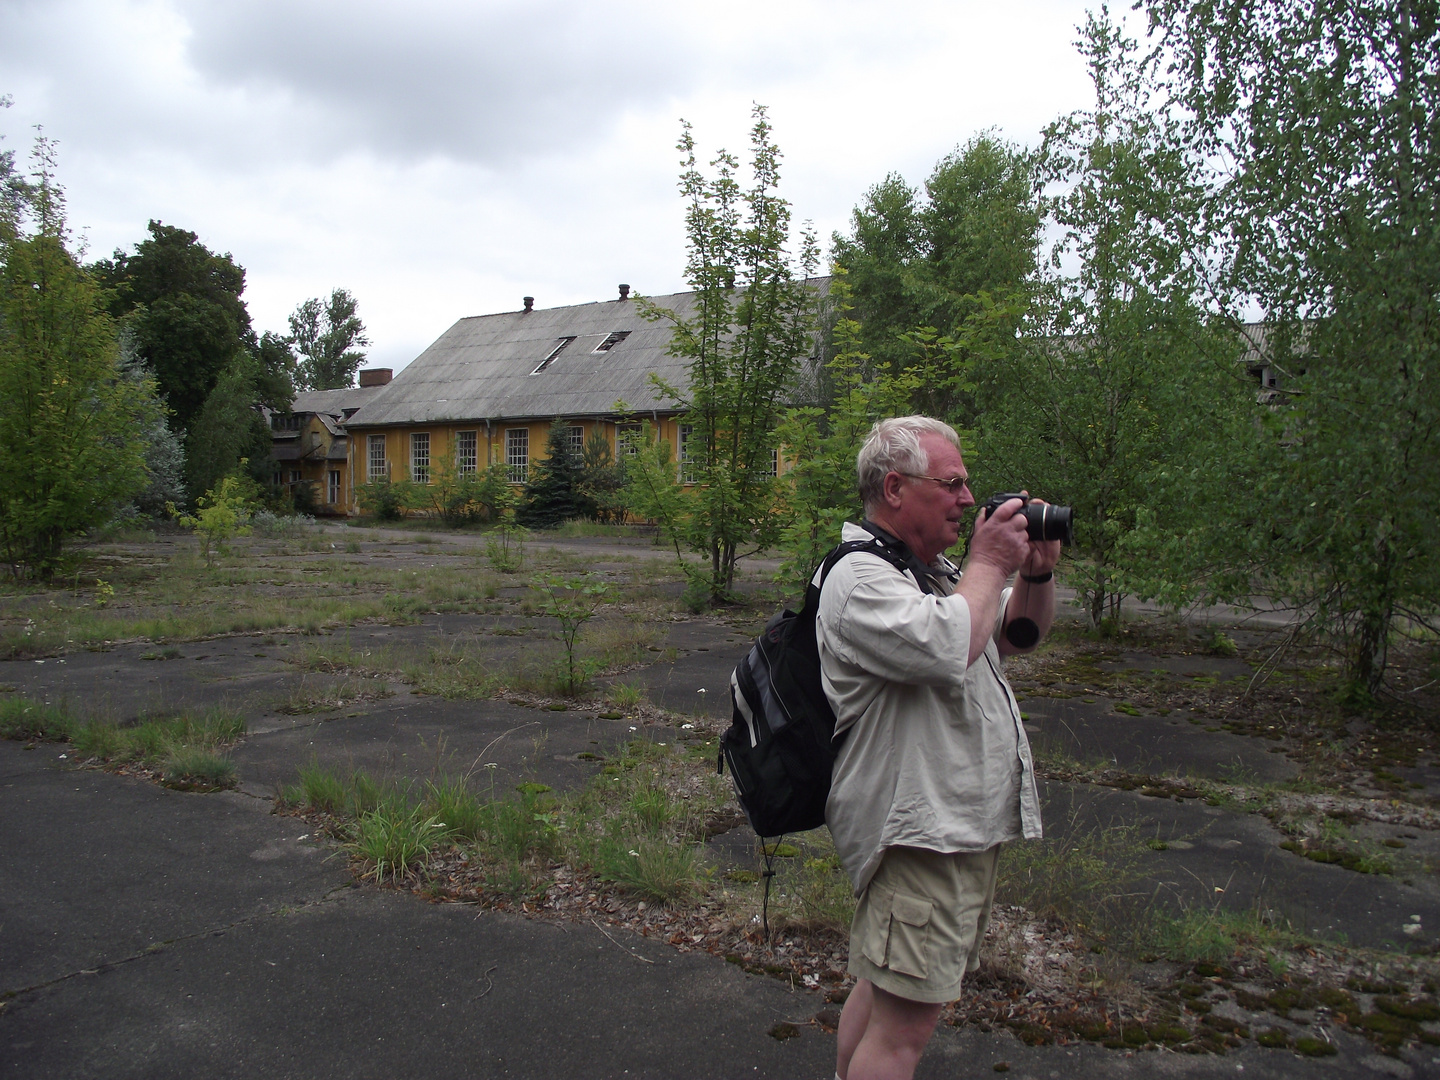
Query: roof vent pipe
624	292
529	303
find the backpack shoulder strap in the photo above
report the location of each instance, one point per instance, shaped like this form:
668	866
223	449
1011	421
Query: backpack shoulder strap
872	546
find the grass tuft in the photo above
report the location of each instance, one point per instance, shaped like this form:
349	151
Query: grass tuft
393	839
21	718
192	768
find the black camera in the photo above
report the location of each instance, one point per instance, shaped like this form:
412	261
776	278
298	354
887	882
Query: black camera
1042	520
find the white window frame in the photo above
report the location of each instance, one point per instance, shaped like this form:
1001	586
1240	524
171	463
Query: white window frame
333	489
376	467
575	440
467	452
555	352
625	445
420	457
688	471
517	454
611	341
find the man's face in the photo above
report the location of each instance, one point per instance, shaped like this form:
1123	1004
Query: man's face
930	518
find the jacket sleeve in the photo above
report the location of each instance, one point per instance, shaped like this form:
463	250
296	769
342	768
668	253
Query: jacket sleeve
877	619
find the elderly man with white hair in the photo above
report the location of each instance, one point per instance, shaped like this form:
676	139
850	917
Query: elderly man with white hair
933	771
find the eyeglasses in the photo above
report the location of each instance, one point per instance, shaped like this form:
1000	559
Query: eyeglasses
955	485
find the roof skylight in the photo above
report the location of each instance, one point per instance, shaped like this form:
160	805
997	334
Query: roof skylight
559	348
611	341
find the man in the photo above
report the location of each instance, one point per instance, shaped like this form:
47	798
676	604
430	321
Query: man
934	772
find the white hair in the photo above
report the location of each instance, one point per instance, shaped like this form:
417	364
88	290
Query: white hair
894	446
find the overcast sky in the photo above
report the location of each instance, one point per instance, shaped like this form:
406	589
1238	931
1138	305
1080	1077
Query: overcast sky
443	158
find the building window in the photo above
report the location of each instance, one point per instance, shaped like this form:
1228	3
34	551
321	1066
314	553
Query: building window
284	422
575	441
420	457
611	341
556	351
772	464
517	454
377	468
691	446
333	492
466	456
628	439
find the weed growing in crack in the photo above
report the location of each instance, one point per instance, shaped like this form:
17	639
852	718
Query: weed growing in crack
393	839
192	768
21	718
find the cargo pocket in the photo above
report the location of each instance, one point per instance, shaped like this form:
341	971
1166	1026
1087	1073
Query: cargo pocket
909	935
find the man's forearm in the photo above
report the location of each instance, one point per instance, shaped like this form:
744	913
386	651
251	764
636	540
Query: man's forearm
1032	601
981	586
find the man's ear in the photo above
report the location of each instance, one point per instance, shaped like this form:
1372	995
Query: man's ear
893	483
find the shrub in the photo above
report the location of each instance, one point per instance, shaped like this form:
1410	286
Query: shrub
277	526
384	499
224	511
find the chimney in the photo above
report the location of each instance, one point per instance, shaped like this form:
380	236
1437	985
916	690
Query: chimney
529	303
624	292
376	376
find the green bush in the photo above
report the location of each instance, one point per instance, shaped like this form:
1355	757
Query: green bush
384	499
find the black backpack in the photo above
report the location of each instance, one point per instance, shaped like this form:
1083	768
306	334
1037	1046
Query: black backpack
780	745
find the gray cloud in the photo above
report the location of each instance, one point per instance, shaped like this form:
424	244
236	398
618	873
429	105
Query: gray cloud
481	83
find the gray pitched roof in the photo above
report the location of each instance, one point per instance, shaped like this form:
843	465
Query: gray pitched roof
334	402
483	367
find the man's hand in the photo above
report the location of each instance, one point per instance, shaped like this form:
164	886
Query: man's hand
1000	540
1044	554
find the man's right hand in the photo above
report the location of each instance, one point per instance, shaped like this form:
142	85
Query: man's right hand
1001	540
998	547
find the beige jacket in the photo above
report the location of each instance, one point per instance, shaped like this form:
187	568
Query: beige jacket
934	755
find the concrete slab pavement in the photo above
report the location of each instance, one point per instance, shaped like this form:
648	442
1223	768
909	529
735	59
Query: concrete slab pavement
277	966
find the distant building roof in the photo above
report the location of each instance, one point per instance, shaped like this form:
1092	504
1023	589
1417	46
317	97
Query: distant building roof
334	402
535	364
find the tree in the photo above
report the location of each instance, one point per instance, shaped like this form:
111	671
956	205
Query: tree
164	453
1124	398
71	425
602	479
183	304
818	491
14	190
326	333
940	282
229	433
754	319
1325	120
552	494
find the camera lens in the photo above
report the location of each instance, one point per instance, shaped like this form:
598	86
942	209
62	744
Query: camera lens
1046	522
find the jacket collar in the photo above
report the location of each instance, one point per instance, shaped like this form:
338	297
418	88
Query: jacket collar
929	577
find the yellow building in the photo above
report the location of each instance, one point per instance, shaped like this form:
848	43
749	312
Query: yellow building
311	446
488	390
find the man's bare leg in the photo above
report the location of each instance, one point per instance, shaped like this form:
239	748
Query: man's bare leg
895	1034
854	1019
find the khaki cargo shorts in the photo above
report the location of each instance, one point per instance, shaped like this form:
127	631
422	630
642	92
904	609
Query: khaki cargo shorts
920	922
